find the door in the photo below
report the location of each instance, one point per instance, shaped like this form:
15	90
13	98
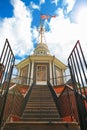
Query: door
41	74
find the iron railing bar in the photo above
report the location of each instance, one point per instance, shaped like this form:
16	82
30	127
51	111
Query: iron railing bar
3	62
7	68
73	49
76	71
73	73
6	62
5	54
3	78
83	57
81	64
3	50
80	74
10	48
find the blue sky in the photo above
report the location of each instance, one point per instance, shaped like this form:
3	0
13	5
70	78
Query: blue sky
19	20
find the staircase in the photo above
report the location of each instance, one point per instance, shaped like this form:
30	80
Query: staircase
41	106
41	113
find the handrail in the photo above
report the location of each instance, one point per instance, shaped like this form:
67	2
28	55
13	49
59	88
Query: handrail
60	80
16	102
21	79
7	60
54	94
79	92
26	96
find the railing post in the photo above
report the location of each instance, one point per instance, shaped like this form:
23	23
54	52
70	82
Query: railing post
7	59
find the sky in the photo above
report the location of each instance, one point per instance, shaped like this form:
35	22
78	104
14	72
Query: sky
19	20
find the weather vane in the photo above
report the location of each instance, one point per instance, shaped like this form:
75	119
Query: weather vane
42	29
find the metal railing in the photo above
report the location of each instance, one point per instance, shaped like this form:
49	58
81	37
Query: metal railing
60	80
21	80
17	98
78	69
7	61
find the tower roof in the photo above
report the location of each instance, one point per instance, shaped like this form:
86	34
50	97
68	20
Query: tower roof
41	49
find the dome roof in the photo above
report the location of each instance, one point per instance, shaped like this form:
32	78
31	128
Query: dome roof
41	49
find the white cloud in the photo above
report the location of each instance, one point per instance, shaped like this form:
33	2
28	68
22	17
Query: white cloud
17	29
54	1
63	36
81	15
42	2
69	3
34	6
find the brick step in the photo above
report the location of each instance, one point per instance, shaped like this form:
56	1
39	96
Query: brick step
41	125
41	119
40	105
42	95
41	100
40	115
40	111
40	108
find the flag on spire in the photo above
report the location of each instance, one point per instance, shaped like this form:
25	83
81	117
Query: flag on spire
47	16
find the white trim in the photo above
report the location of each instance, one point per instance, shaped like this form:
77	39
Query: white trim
41	82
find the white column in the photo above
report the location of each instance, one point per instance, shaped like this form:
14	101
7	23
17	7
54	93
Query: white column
18	77
53	74
32	70
28	74
50	65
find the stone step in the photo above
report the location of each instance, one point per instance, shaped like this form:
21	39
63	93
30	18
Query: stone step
41	100
40	111
39	97
46	125
35	119
40	115
41	103
40	108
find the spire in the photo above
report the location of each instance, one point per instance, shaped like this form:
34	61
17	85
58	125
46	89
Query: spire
41	48
41	31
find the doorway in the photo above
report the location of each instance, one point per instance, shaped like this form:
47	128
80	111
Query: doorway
41	74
